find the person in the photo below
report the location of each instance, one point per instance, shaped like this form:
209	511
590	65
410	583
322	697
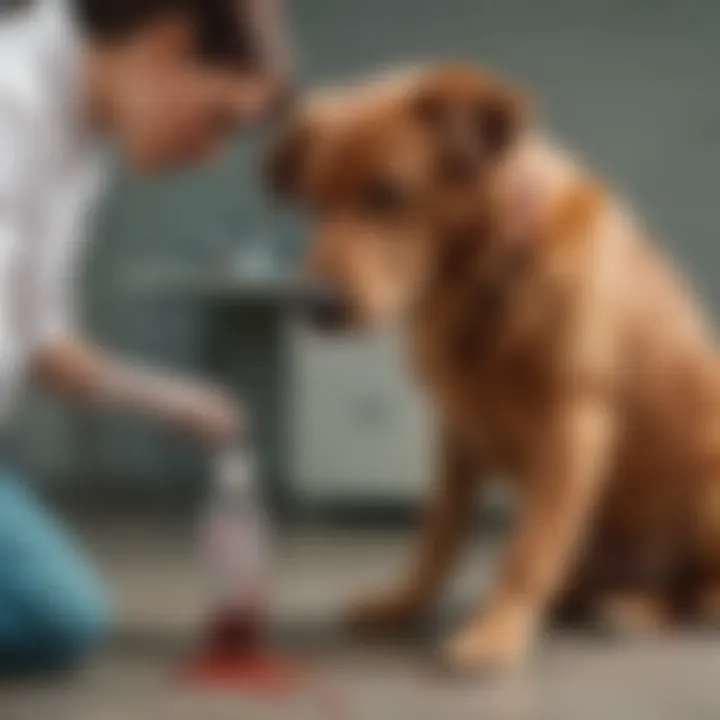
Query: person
169	81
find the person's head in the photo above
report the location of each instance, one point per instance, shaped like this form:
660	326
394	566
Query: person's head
173	79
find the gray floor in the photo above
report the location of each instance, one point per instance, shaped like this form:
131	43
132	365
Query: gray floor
155	577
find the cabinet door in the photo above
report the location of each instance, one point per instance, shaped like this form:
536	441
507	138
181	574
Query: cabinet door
359	429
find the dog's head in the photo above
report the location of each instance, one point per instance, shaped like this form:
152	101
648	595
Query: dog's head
387	169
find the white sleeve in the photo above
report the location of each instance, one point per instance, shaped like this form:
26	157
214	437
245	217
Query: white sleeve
57	274
12	347
68	223
32	304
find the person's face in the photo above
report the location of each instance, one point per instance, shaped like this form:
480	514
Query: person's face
170	108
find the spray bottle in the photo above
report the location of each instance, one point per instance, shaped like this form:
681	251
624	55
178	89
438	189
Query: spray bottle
235	534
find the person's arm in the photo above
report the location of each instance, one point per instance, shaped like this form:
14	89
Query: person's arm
62	361
84	373
268	25
267	88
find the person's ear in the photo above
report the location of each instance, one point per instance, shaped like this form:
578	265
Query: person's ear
286	168
472	117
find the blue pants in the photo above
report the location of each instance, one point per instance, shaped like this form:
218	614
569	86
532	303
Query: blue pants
52	609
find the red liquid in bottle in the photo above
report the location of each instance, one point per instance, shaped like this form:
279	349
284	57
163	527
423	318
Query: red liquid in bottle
236	656
236	633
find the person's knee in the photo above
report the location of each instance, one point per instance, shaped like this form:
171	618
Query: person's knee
76	628
53	608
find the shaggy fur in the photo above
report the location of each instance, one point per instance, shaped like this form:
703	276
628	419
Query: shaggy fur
560	350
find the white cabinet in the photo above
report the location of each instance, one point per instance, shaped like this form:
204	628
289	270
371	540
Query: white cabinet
358	428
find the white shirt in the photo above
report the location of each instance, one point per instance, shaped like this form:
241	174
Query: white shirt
50	175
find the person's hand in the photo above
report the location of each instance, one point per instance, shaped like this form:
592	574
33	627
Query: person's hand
259	97
202	412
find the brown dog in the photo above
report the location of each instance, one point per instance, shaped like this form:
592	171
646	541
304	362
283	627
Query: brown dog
559	348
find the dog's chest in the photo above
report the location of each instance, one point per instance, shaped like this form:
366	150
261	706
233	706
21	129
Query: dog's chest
495	395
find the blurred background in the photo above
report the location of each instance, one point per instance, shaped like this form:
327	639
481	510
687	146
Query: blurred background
189	271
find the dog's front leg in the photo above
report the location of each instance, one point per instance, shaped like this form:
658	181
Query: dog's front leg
447	517
557	500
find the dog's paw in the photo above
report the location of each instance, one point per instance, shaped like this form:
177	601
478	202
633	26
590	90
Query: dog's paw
498	644
632	614
385	614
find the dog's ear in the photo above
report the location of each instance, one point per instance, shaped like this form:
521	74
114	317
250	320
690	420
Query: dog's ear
472	117
286	165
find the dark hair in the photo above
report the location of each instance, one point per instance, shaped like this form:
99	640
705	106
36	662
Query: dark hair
224	33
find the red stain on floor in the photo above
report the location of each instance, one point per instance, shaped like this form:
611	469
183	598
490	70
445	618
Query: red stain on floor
261	674
235	656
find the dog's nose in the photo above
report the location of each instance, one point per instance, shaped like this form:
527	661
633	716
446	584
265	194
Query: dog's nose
328	308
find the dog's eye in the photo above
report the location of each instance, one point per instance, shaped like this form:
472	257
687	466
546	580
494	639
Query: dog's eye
383	198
